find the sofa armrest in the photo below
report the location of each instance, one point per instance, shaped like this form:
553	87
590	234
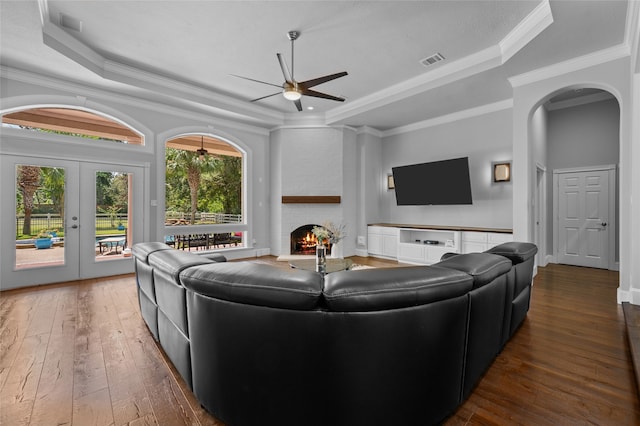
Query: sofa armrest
517	252
141	251
483	267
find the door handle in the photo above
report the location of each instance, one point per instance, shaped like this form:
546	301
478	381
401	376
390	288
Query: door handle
74	226
604	224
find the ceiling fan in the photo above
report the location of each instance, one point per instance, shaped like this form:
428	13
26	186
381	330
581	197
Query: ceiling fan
293	90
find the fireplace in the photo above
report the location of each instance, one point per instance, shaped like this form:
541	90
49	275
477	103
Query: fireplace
304	242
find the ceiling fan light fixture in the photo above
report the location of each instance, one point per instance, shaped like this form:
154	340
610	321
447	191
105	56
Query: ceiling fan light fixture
201	151
291	93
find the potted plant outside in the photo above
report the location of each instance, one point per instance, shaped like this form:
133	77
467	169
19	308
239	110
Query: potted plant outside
43	240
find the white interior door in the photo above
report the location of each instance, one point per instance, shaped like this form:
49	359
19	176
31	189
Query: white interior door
583	211
67	191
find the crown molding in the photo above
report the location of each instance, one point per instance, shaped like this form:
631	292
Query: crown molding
532	25
368	130
449	118
632	34
571	65
536	22
83	93
581	100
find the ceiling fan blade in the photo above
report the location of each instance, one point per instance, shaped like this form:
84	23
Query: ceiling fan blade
268	96
298	104
257	81
285	69
309	92
320	80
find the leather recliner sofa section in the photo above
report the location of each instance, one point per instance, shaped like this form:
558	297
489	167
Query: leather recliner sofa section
378	346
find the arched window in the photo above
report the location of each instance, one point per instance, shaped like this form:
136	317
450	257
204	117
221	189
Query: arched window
73	122
204	187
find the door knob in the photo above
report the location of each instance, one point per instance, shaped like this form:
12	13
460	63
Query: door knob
74	226
604	224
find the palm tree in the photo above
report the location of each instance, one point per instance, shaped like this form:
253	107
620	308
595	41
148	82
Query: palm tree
53	183
188	165
28	183
228	183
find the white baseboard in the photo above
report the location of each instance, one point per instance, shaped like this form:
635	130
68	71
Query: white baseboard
632	296
623	296
362	253
263	252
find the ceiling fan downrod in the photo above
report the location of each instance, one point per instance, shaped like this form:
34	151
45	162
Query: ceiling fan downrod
293	36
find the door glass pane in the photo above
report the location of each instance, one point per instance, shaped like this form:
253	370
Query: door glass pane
39	224
113	219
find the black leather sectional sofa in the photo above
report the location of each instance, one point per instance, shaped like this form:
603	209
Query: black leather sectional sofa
260	345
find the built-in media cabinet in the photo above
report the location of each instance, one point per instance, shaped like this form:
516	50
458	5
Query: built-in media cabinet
422	244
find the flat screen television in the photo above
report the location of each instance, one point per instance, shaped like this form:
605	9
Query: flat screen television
437	182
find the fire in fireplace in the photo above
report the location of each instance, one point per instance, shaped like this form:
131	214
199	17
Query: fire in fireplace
304	242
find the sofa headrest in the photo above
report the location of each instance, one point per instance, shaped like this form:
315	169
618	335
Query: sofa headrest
483	267
517	252
141	251
389	288
256	284
173	262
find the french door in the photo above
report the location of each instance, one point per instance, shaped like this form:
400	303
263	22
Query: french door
84	214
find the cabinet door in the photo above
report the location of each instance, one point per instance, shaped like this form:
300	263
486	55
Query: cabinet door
411	253
473	247
434	254
374	242
495	239
475	237
390	245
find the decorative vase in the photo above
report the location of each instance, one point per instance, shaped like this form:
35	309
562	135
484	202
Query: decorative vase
336	250
321	259
43	243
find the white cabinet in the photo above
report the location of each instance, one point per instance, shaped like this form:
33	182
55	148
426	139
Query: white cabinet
473	242
382	241
426	246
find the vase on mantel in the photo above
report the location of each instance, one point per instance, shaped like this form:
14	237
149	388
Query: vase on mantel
321	258
337	250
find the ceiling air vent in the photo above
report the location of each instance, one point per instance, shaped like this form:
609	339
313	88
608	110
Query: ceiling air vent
432	59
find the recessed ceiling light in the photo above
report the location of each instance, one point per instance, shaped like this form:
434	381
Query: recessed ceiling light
310	108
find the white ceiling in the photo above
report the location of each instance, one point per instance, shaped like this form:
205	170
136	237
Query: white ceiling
185	52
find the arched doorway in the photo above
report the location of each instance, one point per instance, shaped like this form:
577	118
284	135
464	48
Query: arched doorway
575	134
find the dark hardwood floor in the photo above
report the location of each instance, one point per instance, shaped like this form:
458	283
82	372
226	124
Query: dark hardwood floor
79	353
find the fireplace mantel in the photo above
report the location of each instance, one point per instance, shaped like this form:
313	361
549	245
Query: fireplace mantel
311	199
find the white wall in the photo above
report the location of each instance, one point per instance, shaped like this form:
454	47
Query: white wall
484	138
371	184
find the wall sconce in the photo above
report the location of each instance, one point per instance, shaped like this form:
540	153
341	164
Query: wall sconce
502	172
390	182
